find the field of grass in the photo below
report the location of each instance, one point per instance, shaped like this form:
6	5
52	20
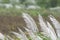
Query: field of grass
10	19
14	14
30	31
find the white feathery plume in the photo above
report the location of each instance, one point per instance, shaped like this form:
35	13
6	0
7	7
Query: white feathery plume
20	36
52	32
23	34
56	24
46	29
32	35
43	24
2	37
9	37
51	28
30	23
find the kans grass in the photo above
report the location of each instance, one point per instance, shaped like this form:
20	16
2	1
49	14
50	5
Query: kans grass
48	32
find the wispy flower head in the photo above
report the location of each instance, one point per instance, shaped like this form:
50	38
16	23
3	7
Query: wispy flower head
56	24
30	23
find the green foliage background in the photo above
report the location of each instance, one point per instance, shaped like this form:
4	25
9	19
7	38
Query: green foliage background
42	3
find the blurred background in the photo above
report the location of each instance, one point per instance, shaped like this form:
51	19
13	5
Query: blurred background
28	3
